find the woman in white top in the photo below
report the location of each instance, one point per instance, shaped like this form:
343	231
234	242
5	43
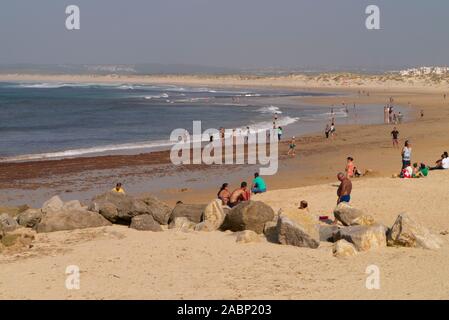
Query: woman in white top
406	154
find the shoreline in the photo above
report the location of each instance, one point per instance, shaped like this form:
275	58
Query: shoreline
317	162
30	177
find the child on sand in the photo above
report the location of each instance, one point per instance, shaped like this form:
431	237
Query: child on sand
424	170
407	172
357	173
415	173
291	148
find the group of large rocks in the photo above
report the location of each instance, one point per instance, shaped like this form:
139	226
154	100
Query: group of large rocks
253	220
360	232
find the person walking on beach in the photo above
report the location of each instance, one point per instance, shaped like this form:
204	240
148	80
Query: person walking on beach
390	114
291	148
332	130
224	194
395	134
422	114
345	188
327	130
406	154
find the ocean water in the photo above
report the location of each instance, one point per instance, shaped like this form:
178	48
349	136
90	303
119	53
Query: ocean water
54	120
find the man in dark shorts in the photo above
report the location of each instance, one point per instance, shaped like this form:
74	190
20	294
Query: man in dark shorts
395	135
239	195
345	188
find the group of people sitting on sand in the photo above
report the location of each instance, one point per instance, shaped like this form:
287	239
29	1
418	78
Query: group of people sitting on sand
421	170
231	199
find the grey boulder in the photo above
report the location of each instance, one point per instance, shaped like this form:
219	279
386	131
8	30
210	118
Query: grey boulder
70	220
248	215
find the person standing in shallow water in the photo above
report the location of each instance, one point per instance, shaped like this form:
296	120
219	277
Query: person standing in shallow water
327	130
292	148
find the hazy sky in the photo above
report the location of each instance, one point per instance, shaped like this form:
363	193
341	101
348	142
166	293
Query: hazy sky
227	33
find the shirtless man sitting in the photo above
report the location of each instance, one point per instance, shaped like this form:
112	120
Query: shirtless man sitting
239	195
345	188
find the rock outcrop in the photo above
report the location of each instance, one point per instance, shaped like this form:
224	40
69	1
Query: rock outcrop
214	215
145	222
121	208
16	241
290	232
247	236
248	215
69	220
159	210
193	212
270	231
343	248
182	224
350	216
8	223
54	204
407	232
364	238
30	218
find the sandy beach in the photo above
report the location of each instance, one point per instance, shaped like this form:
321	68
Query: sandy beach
120	263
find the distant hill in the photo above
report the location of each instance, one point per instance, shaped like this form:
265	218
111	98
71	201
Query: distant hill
125	69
